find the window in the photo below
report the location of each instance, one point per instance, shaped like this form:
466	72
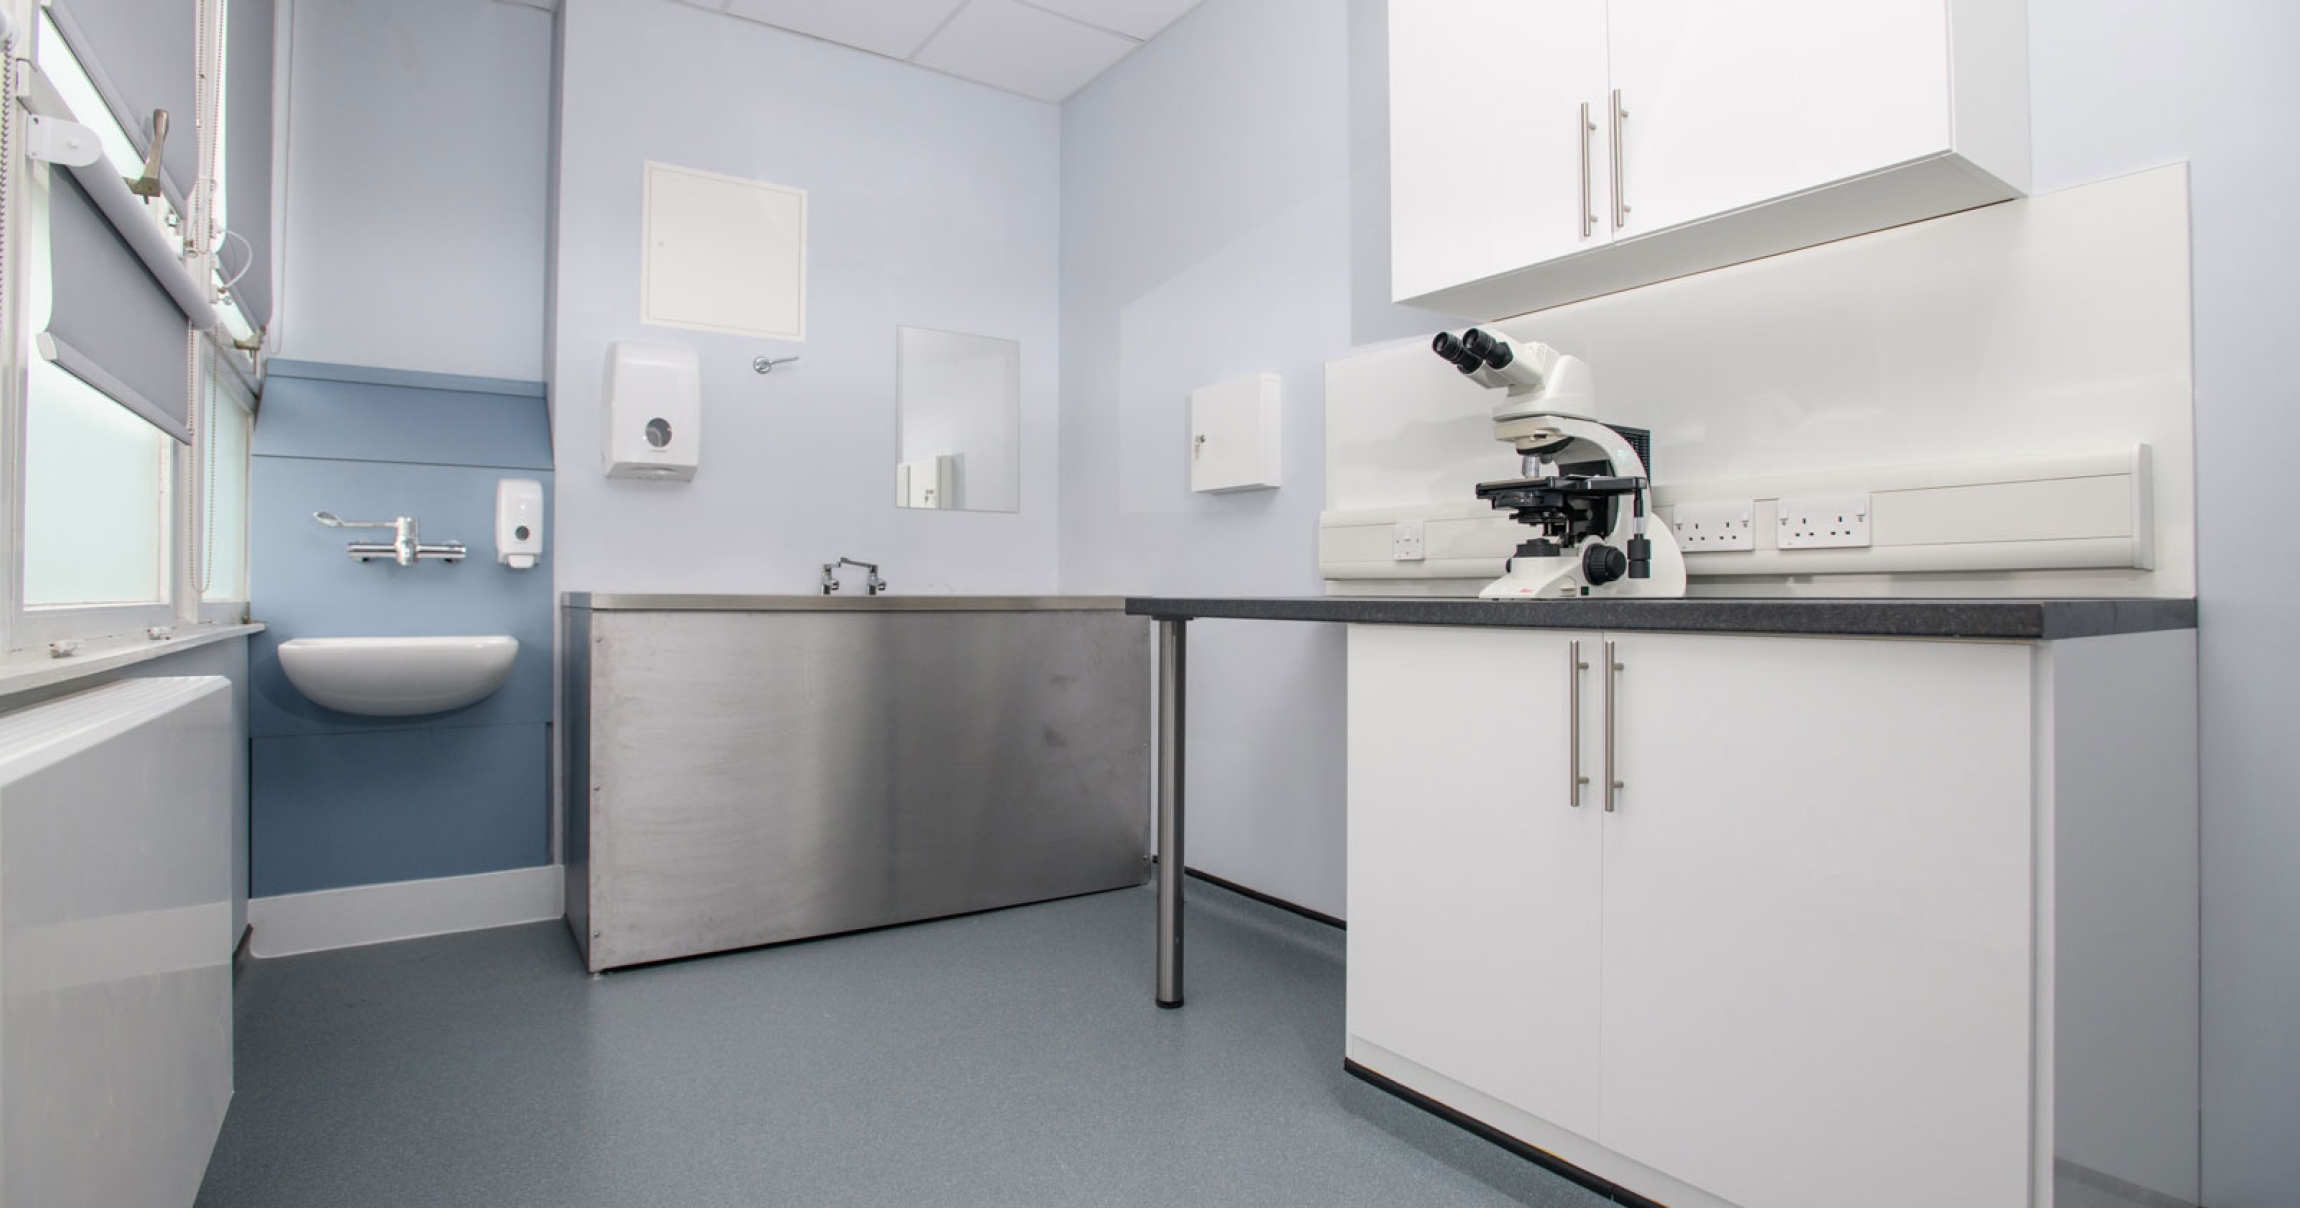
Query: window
226	423
128	503
96	510
96	475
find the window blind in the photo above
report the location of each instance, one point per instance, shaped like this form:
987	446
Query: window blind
142	55
248	154
111	324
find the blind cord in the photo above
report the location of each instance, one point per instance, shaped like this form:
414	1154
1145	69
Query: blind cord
8	169
201	561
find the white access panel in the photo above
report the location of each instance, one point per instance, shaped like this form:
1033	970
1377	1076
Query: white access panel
115	943
721	253
1817	918
1473	879
1234	434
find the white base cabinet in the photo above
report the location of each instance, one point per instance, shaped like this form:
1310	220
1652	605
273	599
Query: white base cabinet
1806	950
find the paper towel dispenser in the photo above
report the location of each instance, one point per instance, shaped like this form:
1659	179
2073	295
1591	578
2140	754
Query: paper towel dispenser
653	411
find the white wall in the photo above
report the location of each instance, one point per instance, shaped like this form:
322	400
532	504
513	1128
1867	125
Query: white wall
932	203
1216	191
2124	84
416	133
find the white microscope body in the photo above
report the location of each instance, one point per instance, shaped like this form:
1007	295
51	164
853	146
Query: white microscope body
1586	489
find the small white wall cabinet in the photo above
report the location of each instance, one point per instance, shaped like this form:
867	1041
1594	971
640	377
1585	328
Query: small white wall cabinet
1851	913
1234	434
1544	151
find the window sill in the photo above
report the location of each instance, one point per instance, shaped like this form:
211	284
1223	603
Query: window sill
30	669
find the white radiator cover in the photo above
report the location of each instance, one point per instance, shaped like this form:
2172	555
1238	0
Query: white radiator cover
115	943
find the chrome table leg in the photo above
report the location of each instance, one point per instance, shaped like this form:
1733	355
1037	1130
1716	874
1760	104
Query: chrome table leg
1171	670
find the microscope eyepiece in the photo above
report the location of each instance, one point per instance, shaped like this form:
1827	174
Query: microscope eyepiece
1455	354
1492	350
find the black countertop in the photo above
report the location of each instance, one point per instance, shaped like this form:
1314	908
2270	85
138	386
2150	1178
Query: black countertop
2010	620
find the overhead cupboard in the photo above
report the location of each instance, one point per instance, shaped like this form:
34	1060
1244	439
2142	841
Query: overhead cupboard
1545	151
1768	921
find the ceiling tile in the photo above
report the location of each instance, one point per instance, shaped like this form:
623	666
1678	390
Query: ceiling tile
1135	18
888	27
1022	49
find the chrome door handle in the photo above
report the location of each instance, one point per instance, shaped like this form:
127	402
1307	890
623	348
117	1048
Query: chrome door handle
1573	669
1588	212
1620	194
1612	689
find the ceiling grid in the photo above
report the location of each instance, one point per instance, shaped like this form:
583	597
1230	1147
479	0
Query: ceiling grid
1043	49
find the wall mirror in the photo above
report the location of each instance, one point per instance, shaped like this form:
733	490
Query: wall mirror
961	421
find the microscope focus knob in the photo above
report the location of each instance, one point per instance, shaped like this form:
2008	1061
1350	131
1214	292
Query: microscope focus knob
1602	564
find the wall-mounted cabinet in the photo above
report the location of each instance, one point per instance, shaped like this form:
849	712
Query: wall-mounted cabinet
1774	921
1544	151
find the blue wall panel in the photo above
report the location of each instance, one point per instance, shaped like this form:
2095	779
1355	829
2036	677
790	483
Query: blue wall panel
302	585
398	805
338	799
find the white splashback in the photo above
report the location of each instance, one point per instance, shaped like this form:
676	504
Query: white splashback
115	942
2051	326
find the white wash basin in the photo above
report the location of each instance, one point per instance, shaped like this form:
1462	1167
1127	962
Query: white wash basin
397	677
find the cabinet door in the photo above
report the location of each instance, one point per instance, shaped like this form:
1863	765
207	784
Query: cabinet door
1473	882
1486	142
1734	102
1818	919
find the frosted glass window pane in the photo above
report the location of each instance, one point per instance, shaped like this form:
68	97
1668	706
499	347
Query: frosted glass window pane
95	496
226	461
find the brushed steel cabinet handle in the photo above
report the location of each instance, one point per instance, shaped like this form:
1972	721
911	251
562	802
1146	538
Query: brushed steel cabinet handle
1588	211
1620	152
1573	777
1612	689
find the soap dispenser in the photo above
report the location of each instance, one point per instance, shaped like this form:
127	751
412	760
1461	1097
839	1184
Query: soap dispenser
518	522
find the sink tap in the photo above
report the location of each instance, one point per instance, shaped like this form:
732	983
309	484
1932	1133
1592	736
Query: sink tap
404	547
831	576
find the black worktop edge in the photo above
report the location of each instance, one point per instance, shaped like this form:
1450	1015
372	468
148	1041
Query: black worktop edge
2011	620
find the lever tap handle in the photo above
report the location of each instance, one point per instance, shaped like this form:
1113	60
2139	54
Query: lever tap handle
331	520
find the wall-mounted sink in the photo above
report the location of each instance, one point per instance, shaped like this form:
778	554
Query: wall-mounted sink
397	677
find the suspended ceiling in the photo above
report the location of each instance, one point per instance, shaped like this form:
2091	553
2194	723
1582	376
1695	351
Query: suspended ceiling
1046	49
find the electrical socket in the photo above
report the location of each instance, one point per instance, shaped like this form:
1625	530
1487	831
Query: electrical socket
1823	522
1406	541
1708	527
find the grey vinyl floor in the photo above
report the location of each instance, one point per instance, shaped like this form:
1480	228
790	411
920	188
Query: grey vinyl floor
1009	1058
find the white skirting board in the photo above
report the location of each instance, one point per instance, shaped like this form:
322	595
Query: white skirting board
403	910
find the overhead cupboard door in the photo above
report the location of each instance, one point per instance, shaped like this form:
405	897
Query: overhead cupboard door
1728	103
1817	905
1487	168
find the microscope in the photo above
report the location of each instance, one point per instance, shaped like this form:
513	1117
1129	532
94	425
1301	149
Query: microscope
1585	486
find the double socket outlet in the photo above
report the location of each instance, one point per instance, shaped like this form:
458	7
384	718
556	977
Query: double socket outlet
1800	522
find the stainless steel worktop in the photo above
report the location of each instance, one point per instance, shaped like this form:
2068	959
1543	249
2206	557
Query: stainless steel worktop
661	602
